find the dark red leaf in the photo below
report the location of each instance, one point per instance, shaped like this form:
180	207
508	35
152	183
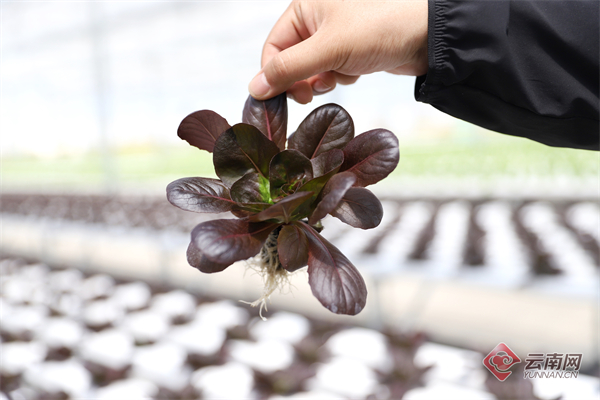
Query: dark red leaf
371	156
326	162
242	213
334	281
242	149
359	208
269	116
331	195
198	260
292	246
288	170
285	210
203	195
202	128
328	165
327	127
251	188
225	241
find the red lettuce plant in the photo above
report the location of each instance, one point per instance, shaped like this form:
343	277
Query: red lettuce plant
280	195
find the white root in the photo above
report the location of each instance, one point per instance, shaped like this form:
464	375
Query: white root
274	276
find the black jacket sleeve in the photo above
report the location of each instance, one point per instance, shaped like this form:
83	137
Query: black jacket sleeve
524	68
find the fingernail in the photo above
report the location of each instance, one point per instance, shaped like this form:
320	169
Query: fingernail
259	86
321	87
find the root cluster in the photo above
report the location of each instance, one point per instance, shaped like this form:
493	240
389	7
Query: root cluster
268	266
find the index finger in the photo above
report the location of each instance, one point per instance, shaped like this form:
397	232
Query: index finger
287	32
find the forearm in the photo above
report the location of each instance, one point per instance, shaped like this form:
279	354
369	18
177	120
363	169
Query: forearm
524	68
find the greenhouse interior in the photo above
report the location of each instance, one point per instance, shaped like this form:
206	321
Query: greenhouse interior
486	240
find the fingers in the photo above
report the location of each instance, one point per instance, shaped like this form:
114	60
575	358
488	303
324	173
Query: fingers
343	79
301	61
311	48
302	92
284	34
299	57
323	82
286	61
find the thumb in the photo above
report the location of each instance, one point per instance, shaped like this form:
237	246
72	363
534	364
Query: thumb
301	61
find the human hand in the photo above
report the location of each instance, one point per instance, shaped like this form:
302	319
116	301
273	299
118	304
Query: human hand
318	44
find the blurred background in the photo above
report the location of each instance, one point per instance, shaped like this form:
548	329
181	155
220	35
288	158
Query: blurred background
486	238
